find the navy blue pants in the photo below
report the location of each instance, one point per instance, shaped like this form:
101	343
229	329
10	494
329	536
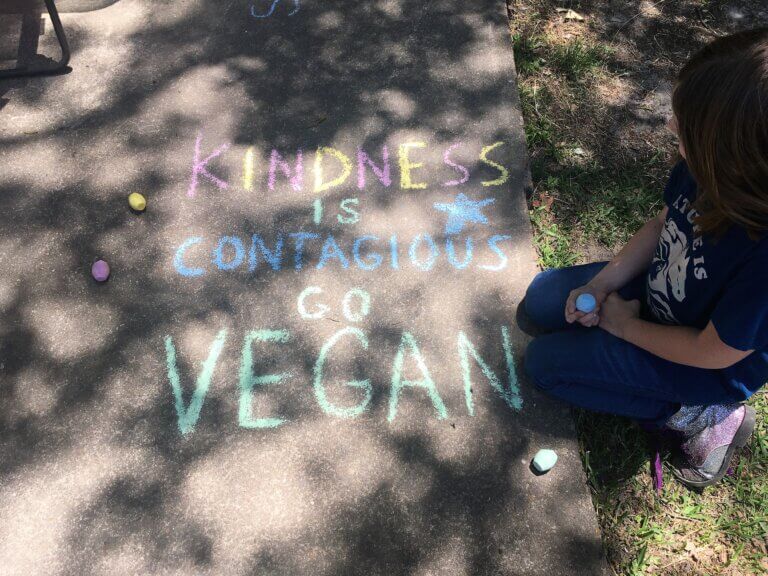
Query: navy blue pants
590	368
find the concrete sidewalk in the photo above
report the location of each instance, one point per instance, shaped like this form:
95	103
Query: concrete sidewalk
306	359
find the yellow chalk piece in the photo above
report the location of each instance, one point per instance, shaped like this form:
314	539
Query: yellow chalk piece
406	166
137	201
484	158
248	170
346	168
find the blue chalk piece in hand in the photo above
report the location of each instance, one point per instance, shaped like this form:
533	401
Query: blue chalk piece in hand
586	303
544	460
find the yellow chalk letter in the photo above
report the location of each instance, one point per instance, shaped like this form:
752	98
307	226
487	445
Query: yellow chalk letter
406	166
346	168
504	176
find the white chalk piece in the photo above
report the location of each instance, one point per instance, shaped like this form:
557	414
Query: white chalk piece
544	460
586	303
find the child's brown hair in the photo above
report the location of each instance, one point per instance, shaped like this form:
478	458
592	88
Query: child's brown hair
721	105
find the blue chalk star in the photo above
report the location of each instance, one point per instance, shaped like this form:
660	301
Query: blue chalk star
463	210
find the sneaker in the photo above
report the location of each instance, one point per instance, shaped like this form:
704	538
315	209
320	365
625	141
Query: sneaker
704	459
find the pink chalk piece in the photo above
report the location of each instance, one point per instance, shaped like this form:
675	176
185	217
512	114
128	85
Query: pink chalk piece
100	271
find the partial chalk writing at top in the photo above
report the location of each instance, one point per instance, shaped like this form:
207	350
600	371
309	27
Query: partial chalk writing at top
271	10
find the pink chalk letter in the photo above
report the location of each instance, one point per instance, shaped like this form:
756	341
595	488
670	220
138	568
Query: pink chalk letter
381	173
200	167
458	167
295	176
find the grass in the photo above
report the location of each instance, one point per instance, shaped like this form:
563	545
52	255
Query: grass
719	531
592	191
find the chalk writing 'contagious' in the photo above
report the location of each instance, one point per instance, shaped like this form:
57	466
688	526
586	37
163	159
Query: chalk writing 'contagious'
364	253
332	168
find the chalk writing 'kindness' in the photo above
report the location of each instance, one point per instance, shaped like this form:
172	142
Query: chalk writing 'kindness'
332	168
294	172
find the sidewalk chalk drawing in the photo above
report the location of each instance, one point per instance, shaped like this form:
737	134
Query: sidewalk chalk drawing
258	13
283	250
467	245
505	385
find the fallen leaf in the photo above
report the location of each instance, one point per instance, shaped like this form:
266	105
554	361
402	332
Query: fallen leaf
569	14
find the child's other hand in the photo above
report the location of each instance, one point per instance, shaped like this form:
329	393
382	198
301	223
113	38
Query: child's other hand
616	312
585	319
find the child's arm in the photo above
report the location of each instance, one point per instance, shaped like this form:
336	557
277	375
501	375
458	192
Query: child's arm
679	344
633	259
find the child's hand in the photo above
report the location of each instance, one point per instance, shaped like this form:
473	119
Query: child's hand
585	319
616	312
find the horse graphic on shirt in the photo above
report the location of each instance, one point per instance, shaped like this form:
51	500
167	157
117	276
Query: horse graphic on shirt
669	268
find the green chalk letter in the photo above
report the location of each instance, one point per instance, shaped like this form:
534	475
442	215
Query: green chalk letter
248	380
188	417
322	398
511	395
398	383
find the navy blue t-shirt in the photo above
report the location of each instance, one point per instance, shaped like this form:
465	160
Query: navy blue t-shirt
695	279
